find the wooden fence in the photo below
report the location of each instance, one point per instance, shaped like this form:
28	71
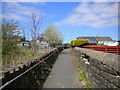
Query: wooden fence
108	49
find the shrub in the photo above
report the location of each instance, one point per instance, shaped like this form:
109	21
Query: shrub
100	44
79	42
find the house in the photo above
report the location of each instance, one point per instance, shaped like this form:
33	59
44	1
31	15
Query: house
25	43
118	42
105	40
110	43
41	43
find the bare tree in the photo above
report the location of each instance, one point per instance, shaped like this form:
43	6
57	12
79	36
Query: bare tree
36	22
36	25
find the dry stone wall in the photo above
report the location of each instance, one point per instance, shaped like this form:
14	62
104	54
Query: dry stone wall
34	78
103	69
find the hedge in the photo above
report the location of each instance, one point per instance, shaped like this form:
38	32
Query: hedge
79	42
100	44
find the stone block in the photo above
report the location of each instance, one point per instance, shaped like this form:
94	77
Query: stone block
110	85
99	72
110	59
91	67
95	85
119	81
105	75
95	63
115	80
111	78
94	69
87	66
116	64
101	79
91	61
99	84
108	69
92	75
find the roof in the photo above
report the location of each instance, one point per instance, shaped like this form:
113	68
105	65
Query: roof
104	39
95	39
39	38
92	39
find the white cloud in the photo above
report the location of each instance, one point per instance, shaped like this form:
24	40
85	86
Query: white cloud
14	16
15	10
93	15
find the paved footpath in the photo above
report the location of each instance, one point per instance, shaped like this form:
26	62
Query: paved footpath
64	72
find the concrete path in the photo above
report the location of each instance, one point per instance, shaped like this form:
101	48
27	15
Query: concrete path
64	72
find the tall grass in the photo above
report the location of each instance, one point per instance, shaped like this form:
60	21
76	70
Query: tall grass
18	56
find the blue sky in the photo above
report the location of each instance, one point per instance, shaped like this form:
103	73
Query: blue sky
72	19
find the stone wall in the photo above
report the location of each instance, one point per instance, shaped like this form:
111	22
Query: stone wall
34	78
103	69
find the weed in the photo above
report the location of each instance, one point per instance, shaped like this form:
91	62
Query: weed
82	75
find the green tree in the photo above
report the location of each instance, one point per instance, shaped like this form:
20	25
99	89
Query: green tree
52	34
10	38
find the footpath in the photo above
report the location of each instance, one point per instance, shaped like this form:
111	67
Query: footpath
64	72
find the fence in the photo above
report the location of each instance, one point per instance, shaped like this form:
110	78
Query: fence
108	49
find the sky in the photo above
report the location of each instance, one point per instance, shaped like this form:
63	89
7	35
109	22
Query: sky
72	19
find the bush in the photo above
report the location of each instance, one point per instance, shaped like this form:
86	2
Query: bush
79	42
100	44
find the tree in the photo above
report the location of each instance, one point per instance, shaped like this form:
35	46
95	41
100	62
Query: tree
52	35
36	22
10	32
10	38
